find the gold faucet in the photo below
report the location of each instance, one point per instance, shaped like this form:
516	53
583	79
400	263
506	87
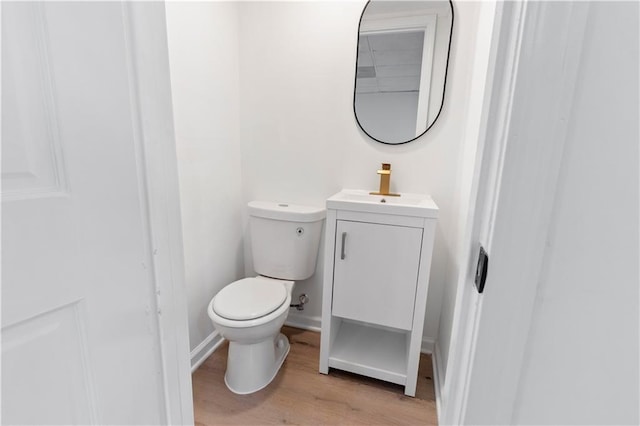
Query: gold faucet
385	179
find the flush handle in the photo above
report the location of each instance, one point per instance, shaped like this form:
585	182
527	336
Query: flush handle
344	238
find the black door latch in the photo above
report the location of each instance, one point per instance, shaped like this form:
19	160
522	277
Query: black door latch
481	269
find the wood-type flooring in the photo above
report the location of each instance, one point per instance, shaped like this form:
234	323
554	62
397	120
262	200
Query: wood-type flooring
301	395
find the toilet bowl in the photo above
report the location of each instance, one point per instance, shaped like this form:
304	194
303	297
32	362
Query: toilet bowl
250	312
256	347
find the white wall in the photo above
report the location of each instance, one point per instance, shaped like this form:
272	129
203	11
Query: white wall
263	110
581	363
203	50
300	140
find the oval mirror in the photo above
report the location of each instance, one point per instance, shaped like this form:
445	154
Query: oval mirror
401	68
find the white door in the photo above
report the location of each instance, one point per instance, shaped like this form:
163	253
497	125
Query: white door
80	328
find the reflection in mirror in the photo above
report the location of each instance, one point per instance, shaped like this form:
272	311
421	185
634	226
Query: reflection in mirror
403	53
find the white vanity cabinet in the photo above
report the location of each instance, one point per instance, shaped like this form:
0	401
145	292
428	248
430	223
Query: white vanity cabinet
377	262
375	273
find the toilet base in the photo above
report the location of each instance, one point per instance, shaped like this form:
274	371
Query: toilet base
251	367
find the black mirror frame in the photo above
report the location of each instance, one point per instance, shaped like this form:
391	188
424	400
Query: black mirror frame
444	86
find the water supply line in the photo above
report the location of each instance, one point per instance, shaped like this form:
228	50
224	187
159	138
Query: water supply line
303	299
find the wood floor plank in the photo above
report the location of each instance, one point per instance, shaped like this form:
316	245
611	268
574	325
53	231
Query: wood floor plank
301	395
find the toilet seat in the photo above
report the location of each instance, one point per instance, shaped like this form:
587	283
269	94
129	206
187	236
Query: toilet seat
249	299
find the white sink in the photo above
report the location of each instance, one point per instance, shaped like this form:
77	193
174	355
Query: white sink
406	204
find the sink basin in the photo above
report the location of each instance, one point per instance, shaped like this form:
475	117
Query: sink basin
406	204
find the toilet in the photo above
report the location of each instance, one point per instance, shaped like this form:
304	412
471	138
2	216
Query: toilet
250	312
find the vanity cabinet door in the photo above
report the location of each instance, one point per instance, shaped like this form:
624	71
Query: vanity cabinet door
376	272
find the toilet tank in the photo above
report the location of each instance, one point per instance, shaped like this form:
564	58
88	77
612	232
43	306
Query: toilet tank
285	239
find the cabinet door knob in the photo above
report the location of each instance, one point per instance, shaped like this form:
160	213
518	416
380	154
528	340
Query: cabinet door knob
344	238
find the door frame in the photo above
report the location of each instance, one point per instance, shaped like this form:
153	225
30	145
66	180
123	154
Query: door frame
511	173
148	68
486	179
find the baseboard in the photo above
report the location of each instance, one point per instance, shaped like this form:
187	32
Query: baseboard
438	377
201	352
428	345
304	322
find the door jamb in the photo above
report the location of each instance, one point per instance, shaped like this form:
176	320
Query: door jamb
148	62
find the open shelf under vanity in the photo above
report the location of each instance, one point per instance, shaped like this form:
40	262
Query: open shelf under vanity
373	351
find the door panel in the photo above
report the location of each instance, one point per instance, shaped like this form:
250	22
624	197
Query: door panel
31	156
376	280
53	349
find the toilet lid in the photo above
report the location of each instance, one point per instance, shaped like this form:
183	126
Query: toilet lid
249	298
